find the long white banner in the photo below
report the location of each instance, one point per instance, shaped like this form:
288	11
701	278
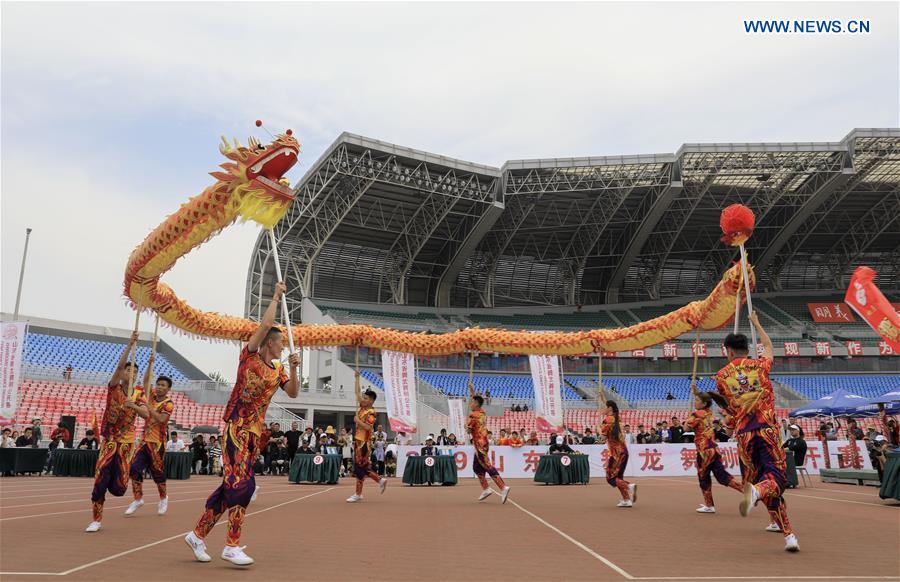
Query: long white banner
662	460
548	409
399	373
12	341
457	417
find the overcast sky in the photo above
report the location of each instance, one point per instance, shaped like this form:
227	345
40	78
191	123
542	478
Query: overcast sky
111	113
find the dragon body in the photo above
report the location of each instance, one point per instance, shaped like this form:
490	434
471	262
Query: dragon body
251	187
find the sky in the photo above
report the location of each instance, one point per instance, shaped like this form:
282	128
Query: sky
110	113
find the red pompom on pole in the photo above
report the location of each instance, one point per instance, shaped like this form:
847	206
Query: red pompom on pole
259	123
737	222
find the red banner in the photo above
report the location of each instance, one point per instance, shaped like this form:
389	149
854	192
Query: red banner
791	349
830	312
854	348
670	351
638	354
885	349
823	349
865	298
700	350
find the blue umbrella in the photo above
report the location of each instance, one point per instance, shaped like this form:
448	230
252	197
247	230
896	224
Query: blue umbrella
891	401
838	403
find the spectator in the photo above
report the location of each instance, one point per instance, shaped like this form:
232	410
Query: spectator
67	373
854	430
380	434
871	433
503	439
259	465
588	438
293	439
676	431
532	440
670	396
199	457
215	456
378	453
452	440
390	461
26	439
719	431
525	408
487	397
796	444
57	440
785	431
308	437
641	436
402	439
6	440
515	441
877	455
36	434
305	449
15	435
429	449
89	441
279	461
60	432
559	446
328	442
442	439
831	433
627	435
346	451
175	444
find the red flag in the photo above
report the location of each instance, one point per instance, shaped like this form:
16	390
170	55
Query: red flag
870	303
95	427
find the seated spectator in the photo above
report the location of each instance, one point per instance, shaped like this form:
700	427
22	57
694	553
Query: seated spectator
6	441
831	433
490	436
26	439
559	446
451	440
36	434
532	440
429	449
259	465
854	430
719	431
442	439
503	440
524	408
588	438
669	396
515	441
279	460
175	444
305	449
61	432
390	461
328	442
308	437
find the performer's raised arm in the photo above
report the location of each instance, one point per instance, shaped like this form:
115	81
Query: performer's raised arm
292	387
764	339
268	319
118	374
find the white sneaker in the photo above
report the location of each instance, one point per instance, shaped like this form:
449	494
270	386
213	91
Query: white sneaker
236	555
504	494
134	506
354	498
198	546
751	496
705	509
625	503
255	493
791	544
163	506
94	526
773	527
632	492
382	485
485	493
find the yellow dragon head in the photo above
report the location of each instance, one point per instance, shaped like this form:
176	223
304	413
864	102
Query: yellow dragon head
254	175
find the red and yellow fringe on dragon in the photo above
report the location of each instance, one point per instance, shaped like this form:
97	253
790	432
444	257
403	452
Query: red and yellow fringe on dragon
251	187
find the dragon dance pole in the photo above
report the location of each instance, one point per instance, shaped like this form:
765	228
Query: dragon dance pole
284	307
753	352
131	376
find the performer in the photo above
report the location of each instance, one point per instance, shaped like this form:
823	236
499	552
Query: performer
618	455
745	385
362	441
476	425
709	461
111	473
156	409
259	376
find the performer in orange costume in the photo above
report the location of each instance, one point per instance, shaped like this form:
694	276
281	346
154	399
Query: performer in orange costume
745	385
476	425
618	455
259	376
117	429
362	441
709	461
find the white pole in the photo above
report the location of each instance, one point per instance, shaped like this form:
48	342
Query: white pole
284	307
753	352
21	274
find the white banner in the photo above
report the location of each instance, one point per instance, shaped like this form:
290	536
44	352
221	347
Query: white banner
458	418
399	373
662	460
548	409
12	341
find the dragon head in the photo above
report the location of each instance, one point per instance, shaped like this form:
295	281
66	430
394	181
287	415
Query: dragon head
255	176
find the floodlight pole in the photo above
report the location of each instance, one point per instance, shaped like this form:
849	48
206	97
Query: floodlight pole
21	275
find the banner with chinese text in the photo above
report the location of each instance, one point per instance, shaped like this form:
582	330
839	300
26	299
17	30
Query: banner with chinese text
458	414
12	340
870	303
830	312
548	410
399	372
662	460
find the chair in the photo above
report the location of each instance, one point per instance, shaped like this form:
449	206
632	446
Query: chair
803	477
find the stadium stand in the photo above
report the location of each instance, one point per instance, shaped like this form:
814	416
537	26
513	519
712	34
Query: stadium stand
501	386
815	387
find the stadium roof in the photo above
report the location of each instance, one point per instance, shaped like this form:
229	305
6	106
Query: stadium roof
380	223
